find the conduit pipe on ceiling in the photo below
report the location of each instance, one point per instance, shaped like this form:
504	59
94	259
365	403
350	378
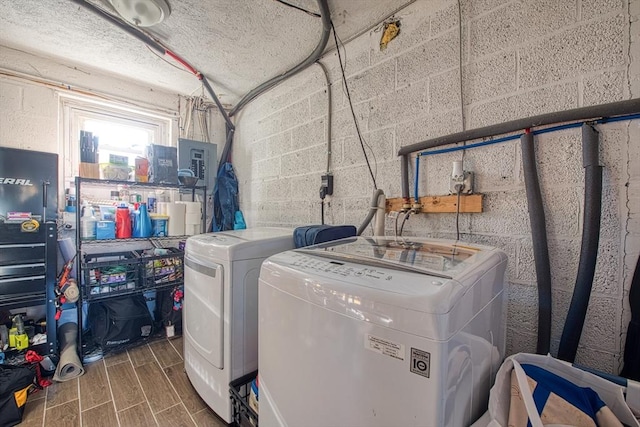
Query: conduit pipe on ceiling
589	248
123	26
213	95
144	38
313	57
539	237
329	113
630	106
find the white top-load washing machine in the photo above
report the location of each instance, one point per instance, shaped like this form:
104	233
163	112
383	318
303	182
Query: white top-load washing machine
380	332
220	323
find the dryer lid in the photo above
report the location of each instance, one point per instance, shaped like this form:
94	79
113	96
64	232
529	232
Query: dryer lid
250	243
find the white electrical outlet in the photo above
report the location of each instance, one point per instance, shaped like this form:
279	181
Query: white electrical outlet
460	179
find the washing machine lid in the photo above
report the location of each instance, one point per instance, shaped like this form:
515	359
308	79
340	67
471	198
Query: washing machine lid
431	257
259	242
417	274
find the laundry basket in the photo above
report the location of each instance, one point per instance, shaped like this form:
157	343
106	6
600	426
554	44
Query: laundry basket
619	394
243	415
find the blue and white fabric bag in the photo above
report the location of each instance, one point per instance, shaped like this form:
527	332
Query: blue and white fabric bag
537	390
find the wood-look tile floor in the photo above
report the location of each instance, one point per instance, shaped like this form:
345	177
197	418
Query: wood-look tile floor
145	386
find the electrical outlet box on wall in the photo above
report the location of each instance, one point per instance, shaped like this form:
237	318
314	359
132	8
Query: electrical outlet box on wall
201	158
464	182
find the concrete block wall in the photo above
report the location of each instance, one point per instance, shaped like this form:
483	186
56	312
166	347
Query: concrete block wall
30	112
29	118
519	58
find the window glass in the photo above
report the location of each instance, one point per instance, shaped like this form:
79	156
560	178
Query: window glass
120	131
117	139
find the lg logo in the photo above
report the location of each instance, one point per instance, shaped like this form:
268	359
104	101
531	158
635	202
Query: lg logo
420	365
420	362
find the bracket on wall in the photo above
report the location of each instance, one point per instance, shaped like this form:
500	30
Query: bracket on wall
471	203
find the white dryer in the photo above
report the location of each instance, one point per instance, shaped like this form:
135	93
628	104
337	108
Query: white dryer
380	332
220	319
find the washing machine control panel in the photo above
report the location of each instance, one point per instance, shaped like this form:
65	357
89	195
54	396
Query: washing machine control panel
218	238
339	268
372	276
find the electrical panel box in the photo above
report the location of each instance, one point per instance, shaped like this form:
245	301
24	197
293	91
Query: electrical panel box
201	158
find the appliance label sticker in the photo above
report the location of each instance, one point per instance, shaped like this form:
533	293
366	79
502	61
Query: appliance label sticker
385	347
420	362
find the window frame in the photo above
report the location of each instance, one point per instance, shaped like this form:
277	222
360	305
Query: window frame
75	109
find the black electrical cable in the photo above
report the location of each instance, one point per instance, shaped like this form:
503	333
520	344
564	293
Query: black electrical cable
459	190
329	113
404	220
355	120
308	12
345	61
322	211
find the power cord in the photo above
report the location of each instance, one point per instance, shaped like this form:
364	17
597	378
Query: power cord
308	12
458	188
355	120
404	220
323	194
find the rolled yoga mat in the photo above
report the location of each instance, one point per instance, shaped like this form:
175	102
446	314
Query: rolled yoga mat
69	366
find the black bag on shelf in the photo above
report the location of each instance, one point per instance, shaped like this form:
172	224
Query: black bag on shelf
116	322
15	382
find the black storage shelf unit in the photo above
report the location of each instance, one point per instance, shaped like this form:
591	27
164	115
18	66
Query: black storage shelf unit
28	262
114	273
142	185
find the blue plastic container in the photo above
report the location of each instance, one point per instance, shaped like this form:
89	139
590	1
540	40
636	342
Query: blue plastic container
159	224
105	230
142	222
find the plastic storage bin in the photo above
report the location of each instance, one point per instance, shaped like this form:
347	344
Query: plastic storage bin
243	414
108	274
162	266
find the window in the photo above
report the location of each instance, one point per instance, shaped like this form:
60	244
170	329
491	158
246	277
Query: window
120	131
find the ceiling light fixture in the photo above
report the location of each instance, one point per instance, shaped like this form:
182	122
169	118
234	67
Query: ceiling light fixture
142	13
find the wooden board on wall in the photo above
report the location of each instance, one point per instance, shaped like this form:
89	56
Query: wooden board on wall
471	203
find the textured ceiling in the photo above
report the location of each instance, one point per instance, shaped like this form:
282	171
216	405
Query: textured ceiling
238	44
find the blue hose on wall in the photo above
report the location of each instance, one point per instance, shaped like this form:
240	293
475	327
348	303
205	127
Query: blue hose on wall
589	248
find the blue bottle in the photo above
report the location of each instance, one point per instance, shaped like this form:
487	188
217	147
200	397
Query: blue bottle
142	222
